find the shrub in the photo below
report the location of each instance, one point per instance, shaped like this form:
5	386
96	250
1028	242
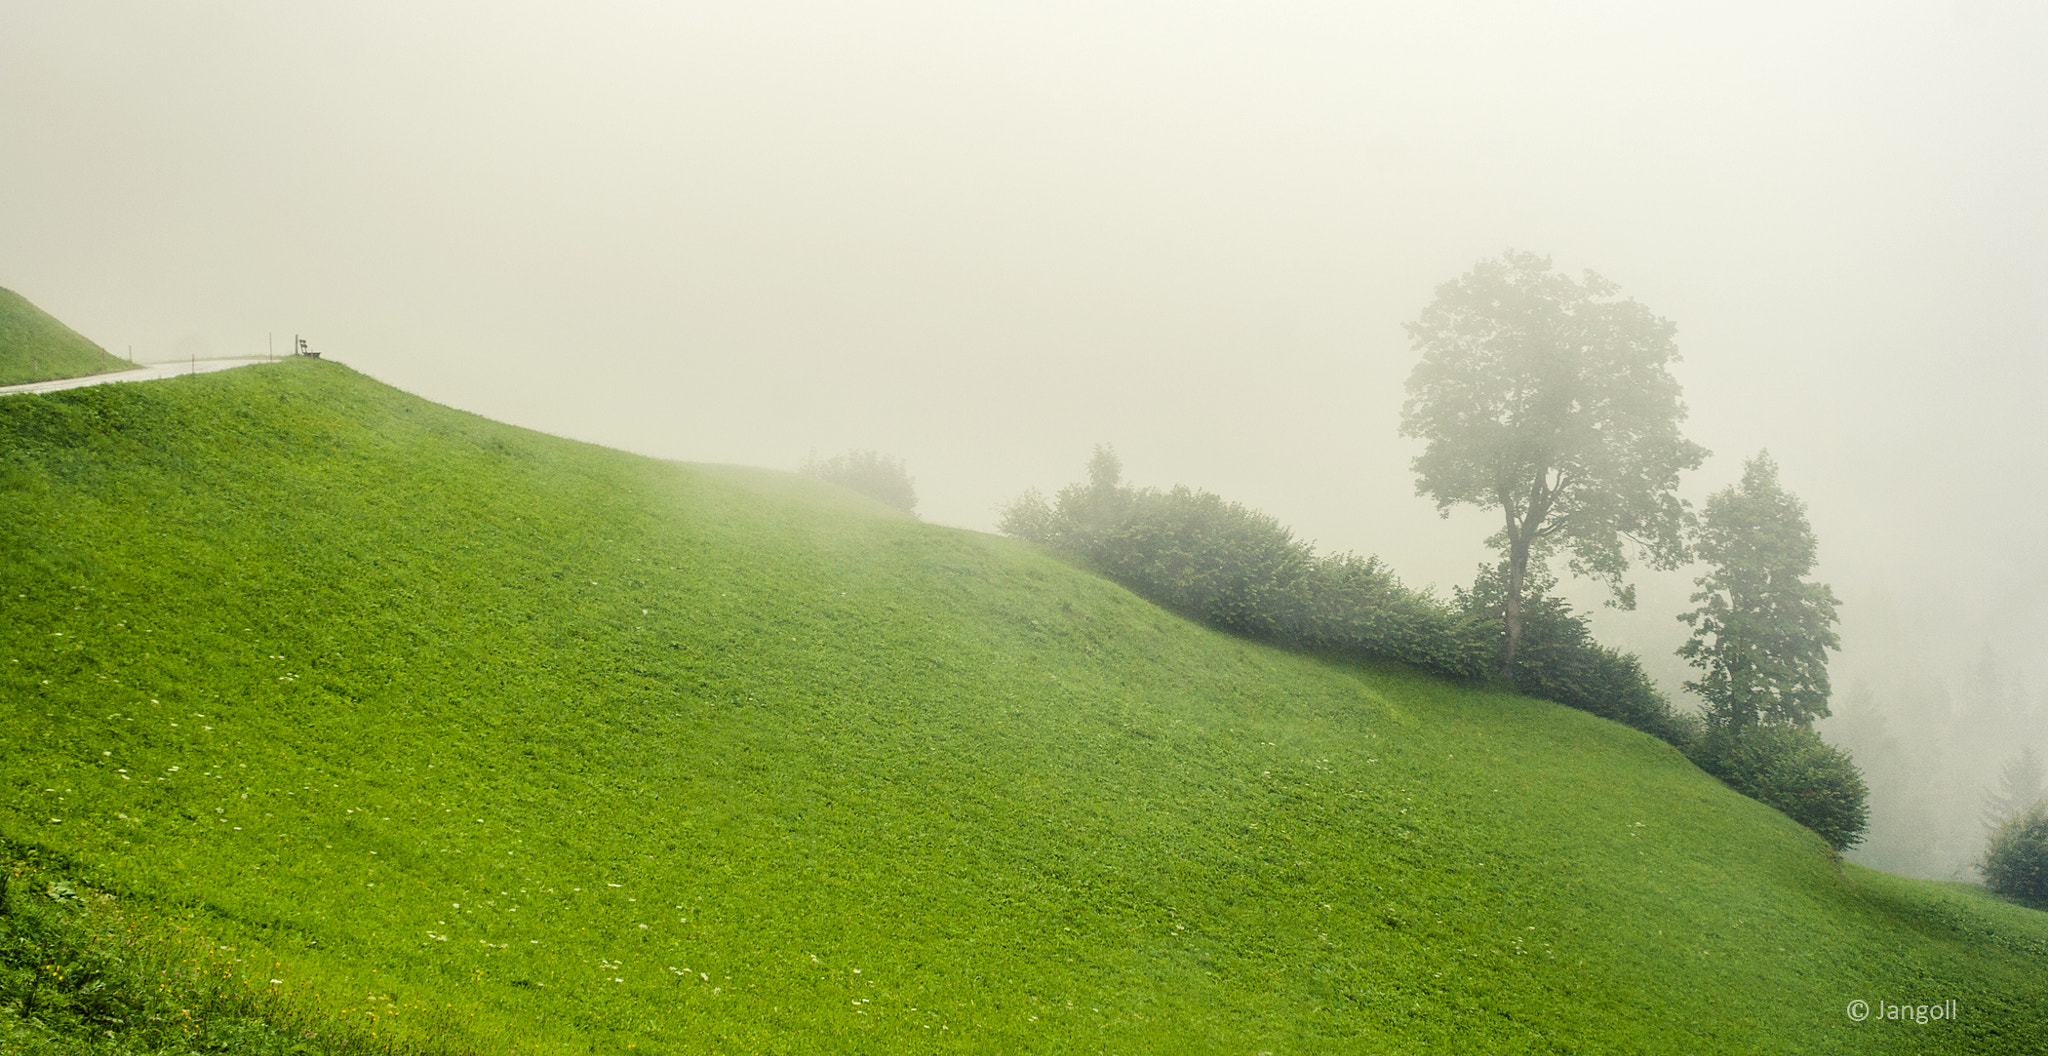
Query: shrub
1559	660
1030	518
878	476
1240	570
1789	767
1357	606
1609	683
2015	860
1215	561
1223	564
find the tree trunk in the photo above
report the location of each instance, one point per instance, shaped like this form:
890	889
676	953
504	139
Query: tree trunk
1518	572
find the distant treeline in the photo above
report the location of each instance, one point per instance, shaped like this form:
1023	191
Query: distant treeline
1242	571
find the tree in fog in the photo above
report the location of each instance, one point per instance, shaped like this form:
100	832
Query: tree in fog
878	476
2019	787
1760	638
2015	862
1762	631
1551	401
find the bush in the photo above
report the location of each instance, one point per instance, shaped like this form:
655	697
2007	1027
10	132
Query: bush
1236	569
1789	767
871	473
2016	858
1559	660
1239	570
1609	683
1357	606
1214	561
1218	562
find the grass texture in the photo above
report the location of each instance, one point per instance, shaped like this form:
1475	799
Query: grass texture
36	347
445	733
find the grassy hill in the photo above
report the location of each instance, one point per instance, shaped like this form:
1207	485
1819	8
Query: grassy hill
371	715
34	346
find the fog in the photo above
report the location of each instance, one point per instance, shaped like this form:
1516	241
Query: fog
985	237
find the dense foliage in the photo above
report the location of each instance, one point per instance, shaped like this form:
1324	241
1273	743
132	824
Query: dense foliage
1357	607
876	475
1242	571
2015	860
1193	552
1552	401
1791	768
1559	660
1760	636
1762	631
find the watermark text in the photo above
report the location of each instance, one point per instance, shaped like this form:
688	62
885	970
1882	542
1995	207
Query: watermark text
1860	1010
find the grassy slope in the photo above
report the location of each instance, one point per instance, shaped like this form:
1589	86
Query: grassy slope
36	347
726	760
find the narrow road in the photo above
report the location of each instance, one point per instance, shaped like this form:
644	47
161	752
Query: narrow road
148	373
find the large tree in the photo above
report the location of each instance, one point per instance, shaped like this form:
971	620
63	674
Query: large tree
1550	400
1761	633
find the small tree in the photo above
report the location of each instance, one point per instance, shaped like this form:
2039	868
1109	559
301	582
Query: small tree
871	473
1761	632
1550	400
1082	518
2016	858
1760	636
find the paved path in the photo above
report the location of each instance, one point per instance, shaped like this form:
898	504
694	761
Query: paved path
148	373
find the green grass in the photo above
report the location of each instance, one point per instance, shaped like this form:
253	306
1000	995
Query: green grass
36	347
470	735
80	973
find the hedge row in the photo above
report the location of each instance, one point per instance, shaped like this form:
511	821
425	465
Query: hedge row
1242	571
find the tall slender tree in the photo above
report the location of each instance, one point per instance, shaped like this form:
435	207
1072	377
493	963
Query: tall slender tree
1761	633
1550	400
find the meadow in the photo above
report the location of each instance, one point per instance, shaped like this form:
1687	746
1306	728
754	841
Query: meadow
412	730
34	346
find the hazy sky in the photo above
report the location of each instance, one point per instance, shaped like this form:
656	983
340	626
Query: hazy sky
984	237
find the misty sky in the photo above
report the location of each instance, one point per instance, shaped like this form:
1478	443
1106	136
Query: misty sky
985	237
